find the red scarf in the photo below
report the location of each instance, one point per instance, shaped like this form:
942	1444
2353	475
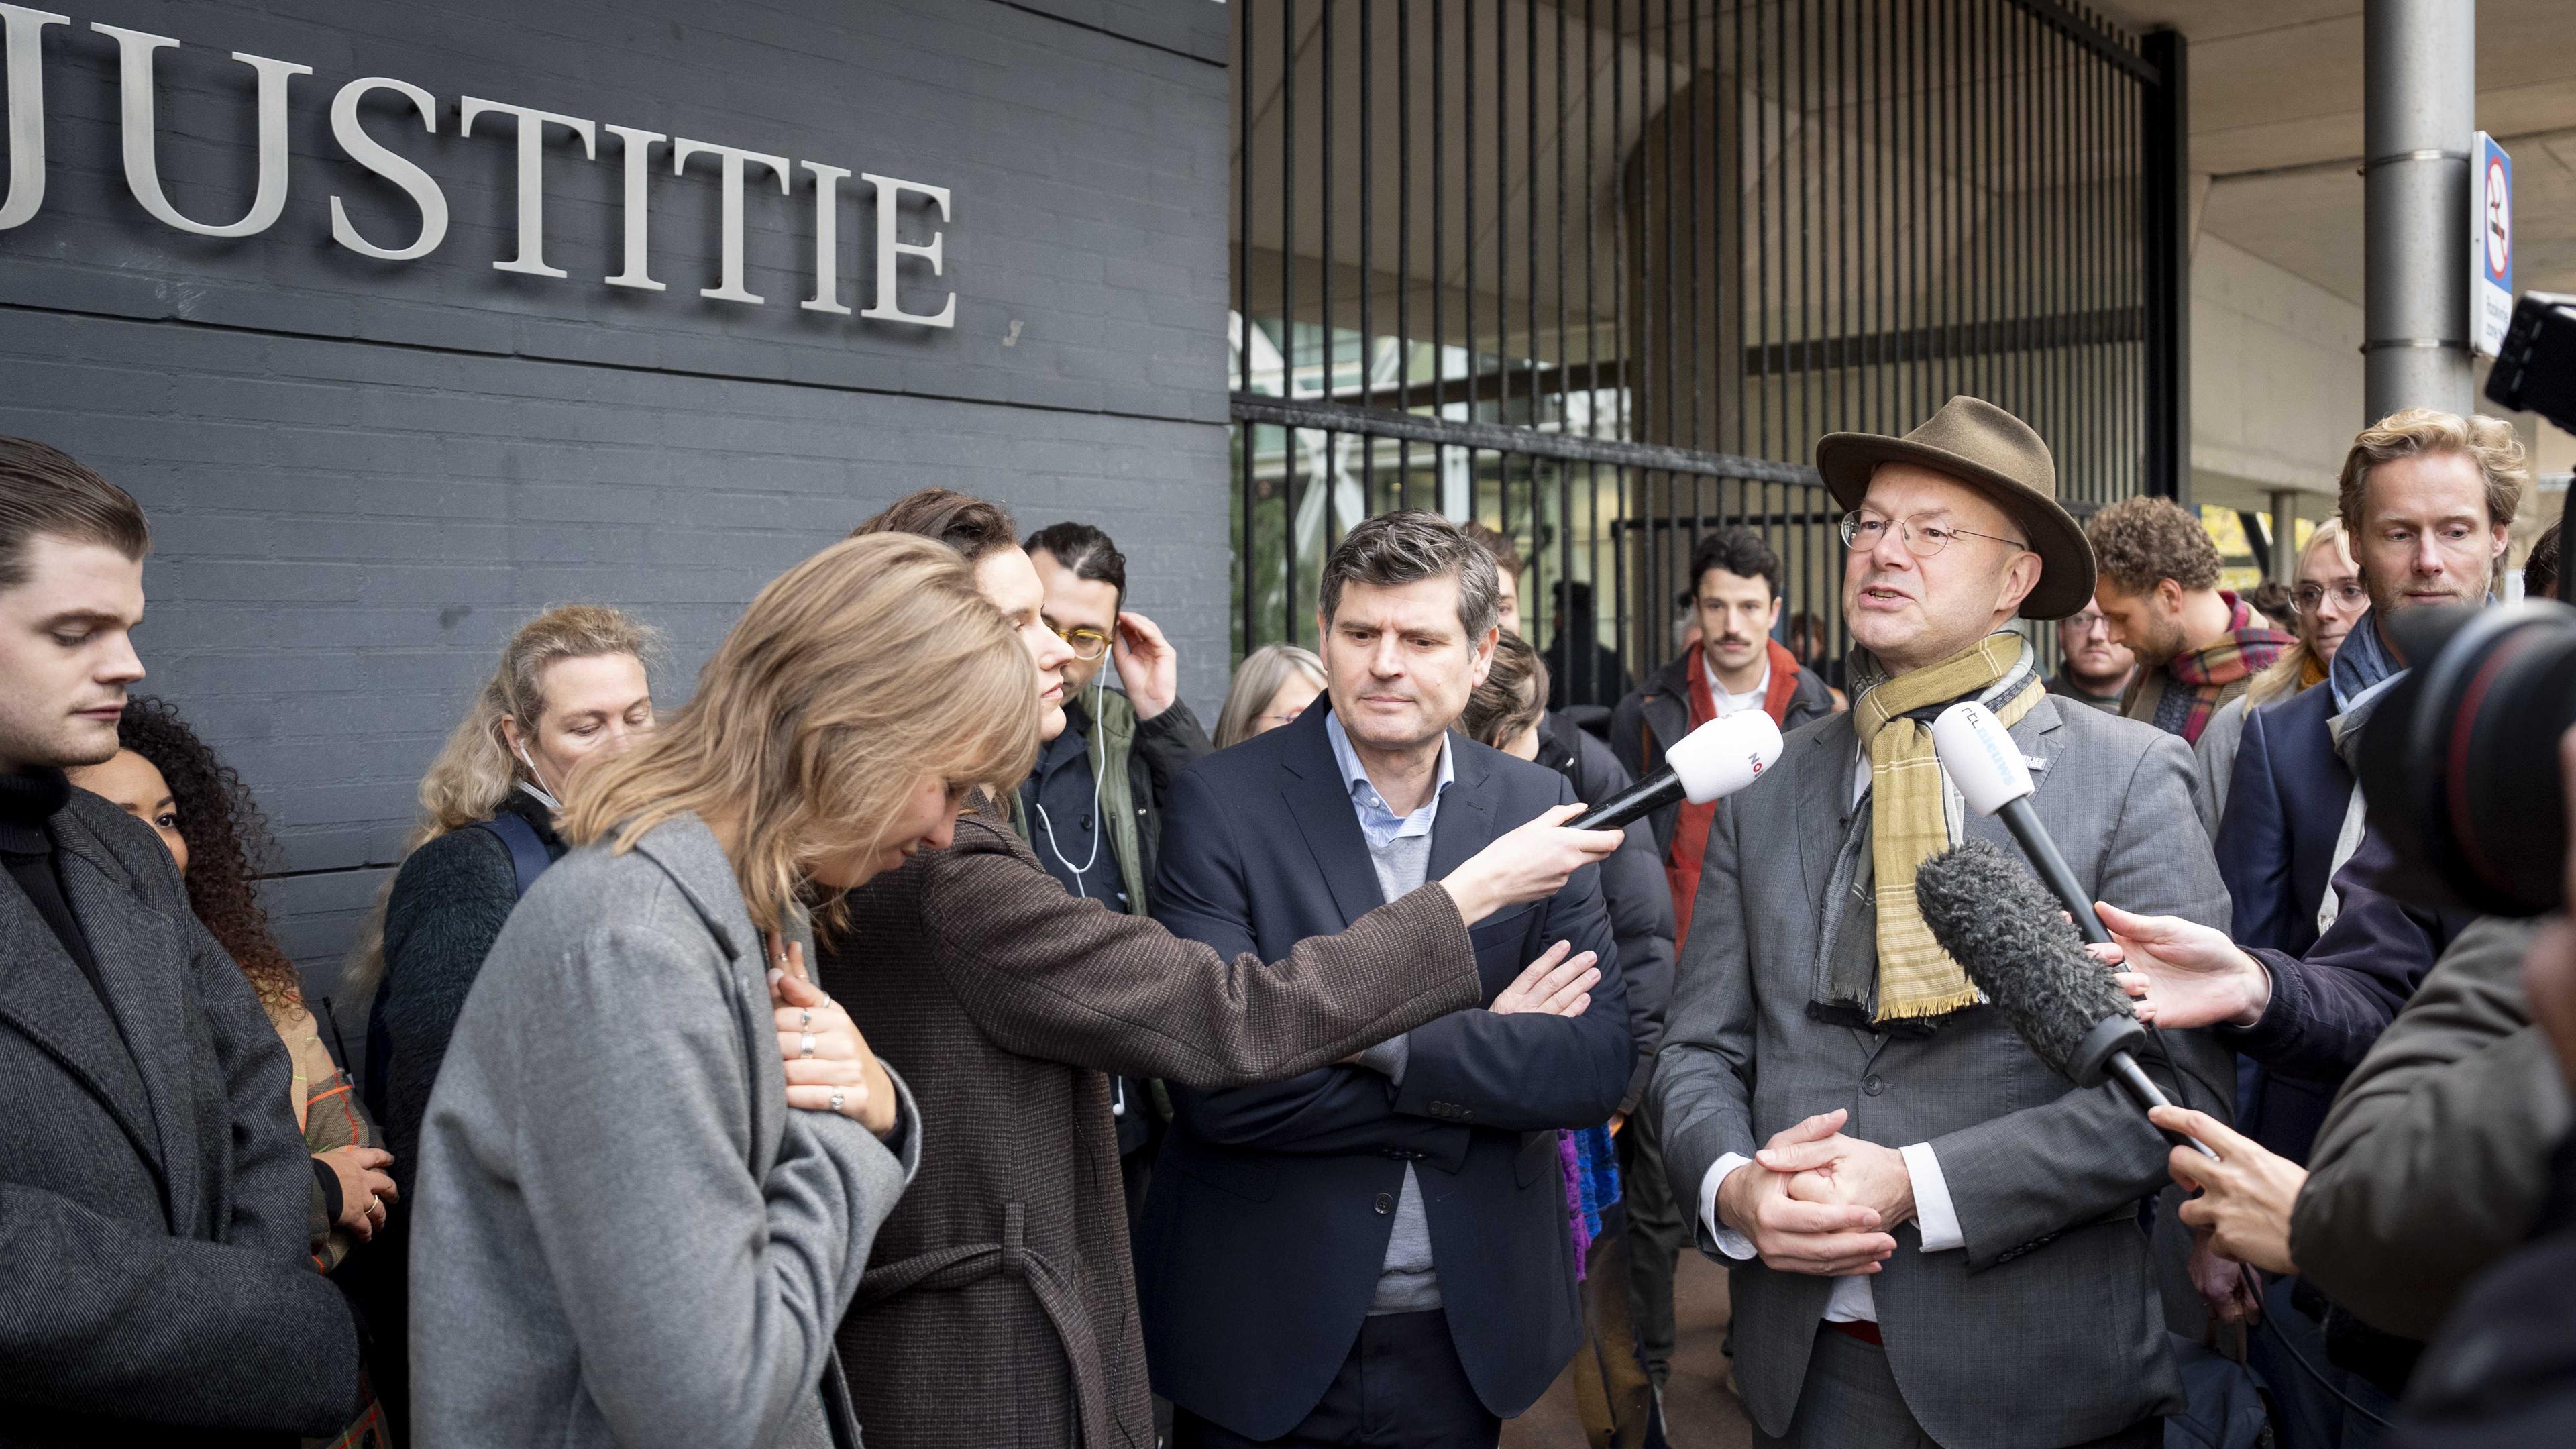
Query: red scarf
1690	833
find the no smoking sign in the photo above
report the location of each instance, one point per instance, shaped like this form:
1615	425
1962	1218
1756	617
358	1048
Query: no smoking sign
2490	245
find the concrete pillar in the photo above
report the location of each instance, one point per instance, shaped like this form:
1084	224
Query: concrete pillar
2285	536
2419	82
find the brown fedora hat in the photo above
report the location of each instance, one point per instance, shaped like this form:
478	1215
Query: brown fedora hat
1997	454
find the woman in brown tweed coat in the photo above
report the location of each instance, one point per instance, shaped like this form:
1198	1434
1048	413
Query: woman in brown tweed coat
999	1306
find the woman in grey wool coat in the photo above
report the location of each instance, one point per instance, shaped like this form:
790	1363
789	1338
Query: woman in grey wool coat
656	1156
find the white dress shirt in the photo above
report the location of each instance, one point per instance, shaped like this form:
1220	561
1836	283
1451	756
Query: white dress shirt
1730	703
1935	1217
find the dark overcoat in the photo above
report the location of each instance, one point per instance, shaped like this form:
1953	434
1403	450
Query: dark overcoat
999	1307
155	1285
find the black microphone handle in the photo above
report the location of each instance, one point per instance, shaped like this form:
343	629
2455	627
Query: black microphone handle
2024	824
1636	802
2125	1070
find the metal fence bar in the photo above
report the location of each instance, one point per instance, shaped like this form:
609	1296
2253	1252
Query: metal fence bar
1854	207
1478	433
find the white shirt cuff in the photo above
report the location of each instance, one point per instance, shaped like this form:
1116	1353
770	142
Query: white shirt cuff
1935	1216
1730	1242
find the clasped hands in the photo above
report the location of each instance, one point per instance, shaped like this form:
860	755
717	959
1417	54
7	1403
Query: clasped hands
1816	1201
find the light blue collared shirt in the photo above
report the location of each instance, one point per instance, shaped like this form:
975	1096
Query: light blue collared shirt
1379	823
1399	849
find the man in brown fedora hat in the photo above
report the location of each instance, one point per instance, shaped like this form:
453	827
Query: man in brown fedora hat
1934	1238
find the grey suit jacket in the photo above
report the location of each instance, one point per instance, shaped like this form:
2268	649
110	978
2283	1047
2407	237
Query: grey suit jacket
154	1281
2045	1329
623	1235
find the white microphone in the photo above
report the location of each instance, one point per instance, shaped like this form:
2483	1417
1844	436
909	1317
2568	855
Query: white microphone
1979	756
1717	759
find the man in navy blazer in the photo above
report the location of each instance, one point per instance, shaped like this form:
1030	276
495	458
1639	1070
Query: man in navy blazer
1377	1252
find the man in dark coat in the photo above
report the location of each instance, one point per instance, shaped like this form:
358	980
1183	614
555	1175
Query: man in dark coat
1736	665
1377	1251
999	1306
154	1283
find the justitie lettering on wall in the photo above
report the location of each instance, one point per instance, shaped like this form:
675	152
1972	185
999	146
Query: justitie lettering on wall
531	130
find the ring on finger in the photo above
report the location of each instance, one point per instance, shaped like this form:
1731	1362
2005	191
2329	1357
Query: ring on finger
837	1099
805	1044
806	1020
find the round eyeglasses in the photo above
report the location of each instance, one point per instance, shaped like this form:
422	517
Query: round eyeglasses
1087	644
1861	531
2311	597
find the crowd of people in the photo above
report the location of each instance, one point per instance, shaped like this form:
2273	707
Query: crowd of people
930	1032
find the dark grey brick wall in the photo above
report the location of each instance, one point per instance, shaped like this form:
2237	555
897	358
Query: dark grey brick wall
362	475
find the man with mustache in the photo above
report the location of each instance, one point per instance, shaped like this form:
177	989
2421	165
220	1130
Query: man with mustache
154	1283
1737	665
1934	1237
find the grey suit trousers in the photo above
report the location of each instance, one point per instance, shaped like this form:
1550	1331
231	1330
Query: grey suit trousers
1851	1401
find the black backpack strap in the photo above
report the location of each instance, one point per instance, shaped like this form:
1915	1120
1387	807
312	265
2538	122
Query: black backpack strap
528	857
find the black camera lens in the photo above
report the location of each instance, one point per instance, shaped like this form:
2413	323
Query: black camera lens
2459	759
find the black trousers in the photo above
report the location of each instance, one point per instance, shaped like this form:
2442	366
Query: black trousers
1401	1388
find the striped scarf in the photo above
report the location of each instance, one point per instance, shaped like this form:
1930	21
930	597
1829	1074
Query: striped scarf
1908	821
2206	675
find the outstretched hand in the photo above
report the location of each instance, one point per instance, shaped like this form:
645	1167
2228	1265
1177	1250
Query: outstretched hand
2184	974
2245	1196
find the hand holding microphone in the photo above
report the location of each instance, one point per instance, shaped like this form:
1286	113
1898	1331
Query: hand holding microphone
1717	759
2006	933
1535	860
1530	863
2188	975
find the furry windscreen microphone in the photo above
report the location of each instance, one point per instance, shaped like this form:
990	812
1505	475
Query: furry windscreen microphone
2004	929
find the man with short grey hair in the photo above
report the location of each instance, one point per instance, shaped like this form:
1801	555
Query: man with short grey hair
1935	1239
1377	1252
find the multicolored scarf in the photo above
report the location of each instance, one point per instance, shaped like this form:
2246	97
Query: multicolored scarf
1591	1167
2207	674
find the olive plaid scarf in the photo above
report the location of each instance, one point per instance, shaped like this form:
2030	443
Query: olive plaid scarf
1908	821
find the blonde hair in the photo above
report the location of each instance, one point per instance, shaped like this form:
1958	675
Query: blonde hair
475	771
2417	432
1256	679
853	676
2281	678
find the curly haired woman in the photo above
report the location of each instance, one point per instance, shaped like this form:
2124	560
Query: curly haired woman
166	777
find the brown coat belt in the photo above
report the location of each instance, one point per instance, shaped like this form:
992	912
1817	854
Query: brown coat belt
955	1267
